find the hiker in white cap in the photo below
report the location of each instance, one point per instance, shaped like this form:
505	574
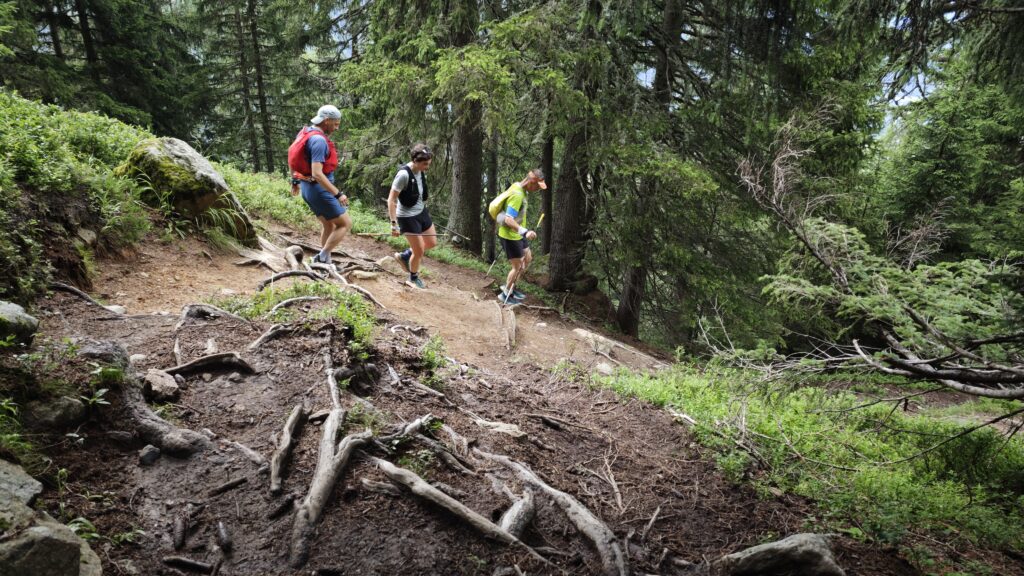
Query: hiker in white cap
312	159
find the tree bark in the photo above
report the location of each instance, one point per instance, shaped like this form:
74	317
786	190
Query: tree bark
634	282
492	192
570	215
467	141
243	70
547	163
261	91
92	59
53	18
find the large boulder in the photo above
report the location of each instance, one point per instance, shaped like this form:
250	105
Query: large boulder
184	179
34	542
14	321
804	554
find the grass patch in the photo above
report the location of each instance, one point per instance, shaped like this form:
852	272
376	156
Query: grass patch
351	309
970	488
433	356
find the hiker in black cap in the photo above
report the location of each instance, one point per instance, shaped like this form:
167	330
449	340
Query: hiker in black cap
409	215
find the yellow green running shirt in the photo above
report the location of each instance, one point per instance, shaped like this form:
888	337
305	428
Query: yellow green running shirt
515	206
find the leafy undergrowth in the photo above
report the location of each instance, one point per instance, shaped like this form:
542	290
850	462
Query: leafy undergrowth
350	308
877	473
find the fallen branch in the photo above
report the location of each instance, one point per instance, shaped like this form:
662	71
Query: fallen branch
229	485
287	274
284	446
187	564
224	359
271	333
613	558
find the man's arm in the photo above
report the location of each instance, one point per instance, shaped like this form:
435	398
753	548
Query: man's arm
319	176
393	211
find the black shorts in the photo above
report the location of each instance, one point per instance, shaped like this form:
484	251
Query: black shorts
514	248
415	224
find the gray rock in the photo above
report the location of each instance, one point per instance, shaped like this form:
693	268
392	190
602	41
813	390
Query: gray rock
14	321
87	236
18	483
177	172
104	352
148	455
160	386
136	358
182	383
47	549
58	413
804	554
235	377
117	309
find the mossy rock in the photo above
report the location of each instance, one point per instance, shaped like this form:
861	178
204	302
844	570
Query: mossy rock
180	178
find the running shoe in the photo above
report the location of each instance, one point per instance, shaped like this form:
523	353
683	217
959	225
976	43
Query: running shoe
401	261
416	283
508	299
518	295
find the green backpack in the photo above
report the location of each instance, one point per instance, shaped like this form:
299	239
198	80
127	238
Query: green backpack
498	204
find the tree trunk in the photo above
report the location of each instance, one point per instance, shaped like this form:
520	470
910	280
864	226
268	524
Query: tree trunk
467	164
490	230
261	91
53	15
570	215
634	281
243	70
92	59
467	139
547	163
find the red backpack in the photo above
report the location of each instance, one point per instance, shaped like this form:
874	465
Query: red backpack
298	156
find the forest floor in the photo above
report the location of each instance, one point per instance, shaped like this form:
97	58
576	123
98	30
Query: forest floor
630	463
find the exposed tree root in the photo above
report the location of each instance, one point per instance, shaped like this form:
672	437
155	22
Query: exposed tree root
253	456
271	333
223	360
332	461
286	506
290	301
613	559
284	446
452	460
72	290
346	284
335	252
179	442
423	489
187	564
287	274
519	515
229	485
205	312
294	256
380	487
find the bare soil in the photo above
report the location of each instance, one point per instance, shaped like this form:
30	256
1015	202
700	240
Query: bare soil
601	442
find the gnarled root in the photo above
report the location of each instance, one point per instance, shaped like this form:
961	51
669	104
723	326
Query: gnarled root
271	333
205	312
613	559
332	461
224	359
519	515
179	442
287	274
72	290
423	489
284	446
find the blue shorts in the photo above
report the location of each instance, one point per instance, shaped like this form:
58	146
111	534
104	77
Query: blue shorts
320	201
514	248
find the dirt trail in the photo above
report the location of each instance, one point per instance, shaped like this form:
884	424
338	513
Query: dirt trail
627	461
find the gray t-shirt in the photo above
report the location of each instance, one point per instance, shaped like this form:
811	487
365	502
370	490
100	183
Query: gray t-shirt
399	183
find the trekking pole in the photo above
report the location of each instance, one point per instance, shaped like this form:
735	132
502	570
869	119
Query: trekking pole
452	232
375	235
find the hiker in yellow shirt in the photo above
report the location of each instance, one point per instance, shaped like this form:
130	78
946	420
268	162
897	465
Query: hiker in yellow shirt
514	236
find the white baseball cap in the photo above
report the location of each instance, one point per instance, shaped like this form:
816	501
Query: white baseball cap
326	111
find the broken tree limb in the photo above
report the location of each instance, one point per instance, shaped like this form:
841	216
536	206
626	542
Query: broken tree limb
178	442
613	559
284	446
423	489
224	359
332	462
519	515
72	290
271	333
287	274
